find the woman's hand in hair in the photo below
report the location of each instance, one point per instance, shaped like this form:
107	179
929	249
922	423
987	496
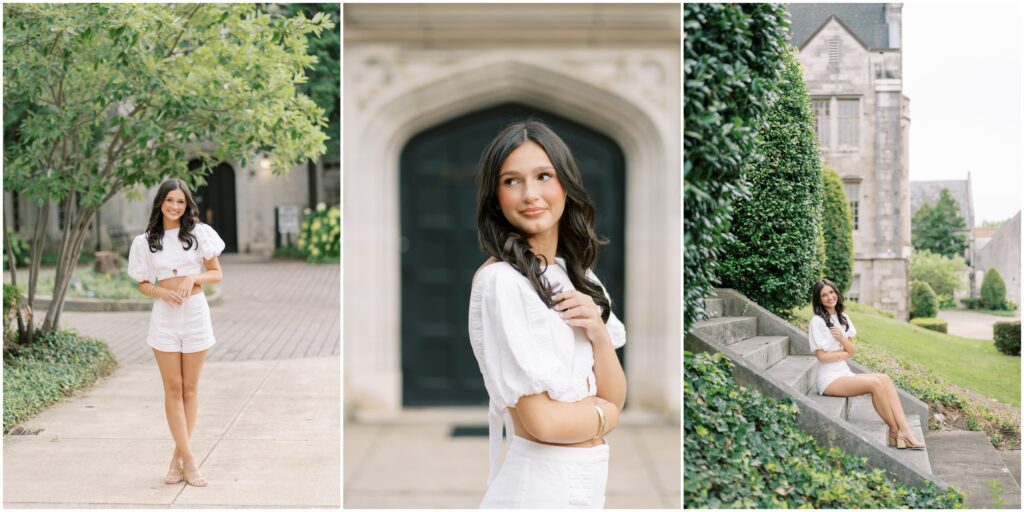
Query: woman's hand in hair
579	310
838	333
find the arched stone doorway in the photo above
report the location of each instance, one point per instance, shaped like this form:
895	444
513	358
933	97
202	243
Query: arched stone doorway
217	202
439	245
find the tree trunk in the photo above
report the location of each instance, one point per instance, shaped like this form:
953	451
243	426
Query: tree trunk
12	265
38	243
76	226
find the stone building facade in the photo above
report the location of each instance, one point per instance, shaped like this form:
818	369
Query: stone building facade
853	67
1002	252
412	70
239	202
928	192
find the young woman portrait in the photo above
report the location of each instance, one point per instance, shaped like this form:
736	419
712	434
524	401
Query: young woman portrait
831	334
541	326
171	261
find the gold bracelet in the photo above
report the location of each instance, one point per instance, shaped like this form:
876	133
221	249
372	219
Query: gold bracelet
603	425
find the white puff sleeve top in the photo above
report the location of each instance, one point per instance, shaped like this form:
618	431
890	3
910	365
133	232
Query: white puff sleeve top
524	348
173	260
821	337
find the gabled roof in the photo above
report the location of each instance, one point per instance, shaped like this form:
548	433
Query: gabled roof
865	21
928	192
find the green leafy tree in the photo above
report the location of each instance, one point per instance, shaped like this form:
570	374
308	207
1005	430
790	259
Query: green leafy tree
936	227
323	81
731	65
837	227
993	290
923	301
773	257
942	273
114	96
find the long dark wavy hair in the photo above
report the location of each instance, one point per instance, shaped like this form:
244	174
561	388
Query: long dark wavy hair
820	310
189	219
577	240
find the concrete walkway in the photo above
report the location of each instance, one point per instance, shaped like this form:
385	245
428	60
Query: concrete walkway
972	324
267	436
412	461
271	310
269	426
967	461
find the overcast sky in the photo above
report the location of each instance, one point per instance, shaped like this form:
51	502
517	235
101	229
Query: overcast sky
962	73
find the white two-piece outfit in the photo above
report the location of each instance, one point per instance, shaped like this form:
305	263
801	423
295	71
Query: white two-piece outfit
821	337
524	348
185	328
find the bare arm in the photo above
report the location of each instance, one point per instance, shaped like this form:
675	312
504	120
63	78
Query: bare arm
579	310
843	340
832	357
557	422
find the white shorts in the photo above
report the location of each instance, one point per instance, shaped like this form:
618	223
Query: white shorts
829	372
536	475
185	328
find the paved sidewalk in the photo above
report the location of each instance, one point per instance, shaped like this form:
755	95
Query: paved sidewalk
972	324
267	436
271	310
413	462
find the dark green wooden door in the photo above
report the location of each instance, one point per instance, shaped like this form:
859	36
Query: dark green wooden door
439	245
216	202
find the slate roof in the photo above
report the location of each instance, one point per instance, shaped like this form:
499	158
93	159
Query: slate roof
866	21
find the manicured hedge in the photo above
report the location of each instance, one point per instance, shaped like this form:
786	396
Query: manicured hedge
745	450
1007	337
773	257
993	290
933	324
732	60
57	364
837	227
923	301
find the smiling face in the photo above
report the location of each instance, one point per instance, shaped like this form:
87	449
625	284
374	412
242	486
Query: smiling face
529	193
174	206
829	297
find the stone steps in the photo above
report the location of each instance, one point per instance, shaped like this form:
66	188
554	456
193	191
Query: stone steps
728	330
772	355
763	351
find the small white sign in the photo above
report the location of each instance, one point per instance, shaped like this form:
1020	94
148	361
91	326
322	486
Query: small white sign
288	219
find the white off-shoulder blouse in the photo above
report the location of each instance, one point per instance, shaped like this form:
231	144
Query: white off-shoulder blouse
173	260
524	348
821	337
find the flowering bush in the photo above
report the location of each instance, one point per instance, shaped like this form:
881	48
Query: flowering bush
320	236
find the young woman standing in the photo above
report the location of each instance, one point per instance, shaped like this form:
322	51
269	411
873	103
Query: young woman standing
541	326
171	261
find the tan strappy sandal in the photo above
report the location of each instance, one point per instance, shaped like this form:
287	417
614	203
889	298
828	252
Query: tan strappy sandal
903	443
174	478
194	477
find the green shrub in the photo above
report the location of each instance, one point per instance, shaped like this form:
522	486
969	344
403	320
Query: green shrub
1007	337
86	283
942	273
993	290
20	248
933	324
55	365
837	227
320	237
745	450
732	60
289	252
923	302
773	257
971	302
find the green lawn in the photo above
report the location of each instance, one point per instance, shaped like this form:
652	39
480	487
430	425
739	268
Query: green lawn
972	364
